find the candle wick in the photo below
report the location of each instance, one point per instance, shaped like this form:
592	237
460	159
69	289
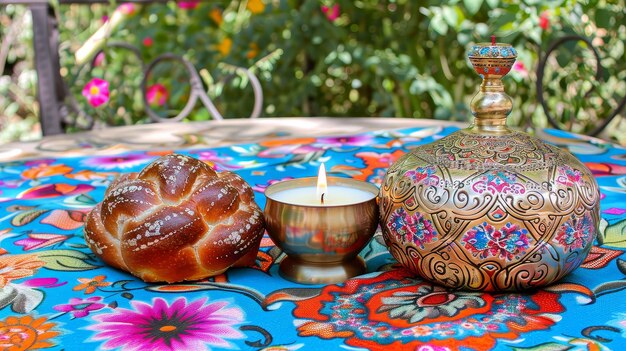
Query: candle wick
322	199
493	40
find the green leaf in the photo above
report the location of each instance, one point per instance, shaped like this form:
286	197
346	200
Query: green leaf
77	246
26	217
81	200
450	15
66	260
621	265
345	58
493	3
604	18
121	284
615	235
439	25
549	346
612	286
473	6
127	295
563	58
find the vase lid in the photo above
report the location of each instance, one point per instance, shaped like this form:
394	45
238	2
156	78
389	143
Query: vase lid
492	58
491	105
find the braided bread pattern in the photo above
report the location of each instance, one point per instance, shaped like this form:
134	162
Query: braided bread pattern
176	220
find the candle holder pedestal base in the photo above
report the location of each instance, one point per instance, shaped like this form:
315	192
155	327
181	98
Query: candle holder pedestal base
306	272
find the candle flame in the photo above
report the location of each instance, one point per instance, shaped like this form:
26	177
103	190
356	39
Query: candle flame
322	185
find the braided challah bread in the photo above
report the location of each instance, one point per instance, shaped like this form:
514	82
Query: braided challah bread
176	220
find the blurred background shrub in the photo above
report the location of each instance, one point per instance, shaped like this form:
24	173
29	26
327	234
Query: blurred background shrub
399	58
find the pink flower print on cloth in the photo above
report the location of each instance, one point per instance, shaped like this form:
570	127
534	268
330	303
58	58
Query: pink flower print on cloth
80	308
197	325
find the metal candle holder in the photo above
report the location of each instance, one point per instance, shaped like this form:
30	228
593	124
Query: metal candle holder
322	243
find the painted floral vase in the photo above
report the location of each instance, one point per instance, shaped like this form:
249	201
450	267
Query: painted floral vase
489	208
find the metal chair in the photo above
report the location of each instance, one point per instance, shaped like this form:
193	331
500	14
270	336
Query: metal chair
55	101
552	48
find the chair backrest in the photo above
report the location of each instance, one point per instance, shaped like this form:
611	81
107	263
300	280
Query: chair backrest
57	103
541	87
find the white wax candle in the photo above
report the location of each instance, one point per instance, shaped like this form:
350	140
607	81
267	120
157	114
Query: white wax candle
334	196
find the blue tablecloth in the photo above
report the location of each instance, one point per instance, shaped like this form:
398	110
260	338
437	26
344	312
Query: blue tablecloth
55	293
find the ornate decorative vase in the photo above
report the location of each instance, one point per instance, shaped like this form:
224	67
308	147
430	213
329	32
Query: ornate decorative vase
488	208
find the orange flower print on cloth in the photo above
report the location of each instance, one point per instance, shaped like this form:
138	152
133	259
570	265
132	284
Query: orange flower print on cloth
395	311
66	219
26	333
18	266
45	170
91	284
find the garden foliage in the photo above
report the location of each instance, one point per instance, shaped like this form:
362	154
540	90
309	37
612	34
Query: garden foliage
350	58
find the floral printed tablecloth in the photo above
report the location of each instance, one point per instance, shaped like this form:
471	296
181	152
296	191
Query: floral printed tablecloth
55	294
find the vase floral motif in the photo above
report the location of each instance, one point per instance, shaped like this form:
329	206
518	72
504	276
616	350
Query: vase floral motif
488	208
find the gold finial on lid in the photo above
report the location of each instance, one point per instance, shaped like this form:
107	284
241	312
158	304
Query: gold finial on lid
491	105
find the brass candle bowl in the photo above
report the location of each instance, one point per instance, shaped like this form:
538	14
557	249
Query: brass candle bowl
322	243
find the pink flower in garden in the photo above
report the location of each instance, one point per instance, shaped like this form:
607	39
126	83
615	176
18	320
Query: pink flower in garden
81	307
157	95
189	4
520	68
147	41
544	21
127	8
99	59
96	92
332	12
198	326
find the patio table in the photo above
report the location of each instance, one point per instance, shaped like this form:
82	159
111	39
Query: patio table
56	294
